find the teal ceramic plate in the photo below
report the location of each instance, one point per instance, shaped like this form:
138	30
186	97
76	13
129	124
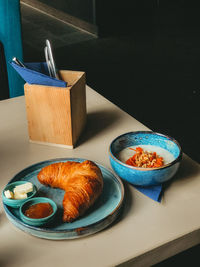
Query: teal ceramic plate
100	215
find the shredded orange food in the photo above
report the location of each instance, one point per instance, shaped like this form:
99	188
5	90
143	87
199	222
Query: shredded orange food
145	159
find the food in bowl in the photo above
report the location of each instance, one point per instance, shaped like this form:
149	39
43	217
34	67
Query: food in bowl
165	147
16	193
19	191
38	211
144	158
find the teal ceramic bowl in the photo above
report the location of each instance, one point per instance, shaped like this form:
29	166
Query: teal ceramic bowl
41	221
16	203
165	146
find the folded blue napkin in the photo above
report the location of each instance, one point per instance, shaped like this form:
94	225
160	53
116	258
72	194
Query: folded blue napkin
37	73
154	192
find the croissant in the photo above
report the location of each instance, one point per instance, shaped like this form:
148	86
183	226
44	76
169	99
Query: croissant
82	182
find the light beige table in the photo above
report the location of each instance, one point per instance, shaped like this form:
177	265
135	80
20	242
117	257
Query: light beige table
147	231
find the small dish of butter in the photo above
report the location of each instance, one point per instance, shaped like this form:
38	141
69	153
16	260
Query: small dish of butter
16	193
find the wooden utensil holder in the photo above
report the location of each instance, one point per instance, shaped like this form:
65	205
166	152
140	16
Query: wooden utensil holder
57	115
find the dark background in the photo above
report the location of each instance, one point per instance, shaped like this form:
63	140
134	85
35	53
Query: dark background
146	60
82	9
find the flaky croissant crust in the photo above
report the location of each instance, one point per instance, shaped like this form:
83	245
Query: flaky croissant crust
82	182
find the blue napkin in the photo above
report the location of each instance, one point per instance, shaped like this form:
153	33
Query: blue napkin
154	192
37	73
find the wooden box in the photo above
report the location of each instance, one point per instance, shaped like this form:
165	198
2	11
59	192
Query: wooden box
57	115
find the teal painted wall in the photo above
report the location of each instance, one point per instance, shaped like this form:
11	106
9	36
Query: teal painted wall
10	36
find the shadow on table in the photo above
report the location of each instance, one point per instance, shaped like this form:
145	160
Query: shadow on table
97	122
187	170
9	257
126	206
3	219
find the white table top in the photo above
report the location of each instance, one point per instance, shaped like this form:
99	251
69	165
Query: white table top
147	231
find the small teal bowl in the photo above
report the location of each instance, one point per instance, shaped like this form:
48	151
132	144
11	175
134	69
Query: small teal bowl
41	221
16	203
165	146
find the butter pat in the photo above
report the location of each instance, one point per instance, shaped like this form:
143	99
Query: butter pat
18	195
9	194
23	188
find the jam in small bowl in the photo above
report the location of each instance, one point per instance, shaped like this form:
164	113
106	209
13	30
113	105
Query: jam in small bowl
38	211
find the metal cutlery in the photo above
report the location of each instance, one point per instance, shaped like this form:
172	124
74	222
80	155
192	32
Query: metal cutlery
50	60
18	62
